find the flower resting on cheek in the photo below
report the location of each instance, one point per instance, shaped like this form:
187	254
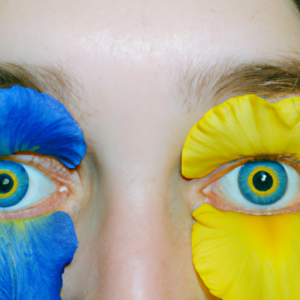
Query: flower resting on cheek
246	256
33	253
35	249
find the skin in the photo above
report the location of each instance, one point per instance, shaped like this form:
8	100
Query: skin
130	59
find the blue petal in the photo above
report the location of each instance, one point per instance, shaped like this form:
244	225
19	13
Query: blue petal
33	254
35	122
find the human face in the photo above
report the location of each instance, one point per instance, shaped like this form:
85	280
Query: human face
142	73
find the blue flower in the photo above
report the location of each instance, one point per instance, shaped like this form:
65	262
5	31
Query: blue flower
33	254
35	122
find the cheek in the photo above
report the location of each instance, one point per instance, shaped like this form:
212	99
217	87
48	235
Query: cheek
33	254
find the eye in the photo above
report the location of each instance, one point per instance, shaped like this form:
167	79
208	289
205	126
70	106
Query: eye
256	186
22	186
262	183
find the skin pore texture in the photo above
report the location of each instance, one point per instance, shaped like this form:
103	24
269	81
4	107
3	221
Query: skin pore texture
143	73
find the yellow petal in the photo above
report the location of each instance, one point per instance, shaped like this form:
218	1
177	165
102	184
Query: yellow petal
241	126
247	257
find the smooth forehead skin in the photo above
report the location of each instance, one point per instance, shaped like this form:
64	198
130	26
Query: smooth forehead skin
131	61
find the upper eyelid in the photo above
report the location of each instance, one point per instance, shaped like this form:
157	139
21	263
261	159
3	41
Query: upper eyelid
46	165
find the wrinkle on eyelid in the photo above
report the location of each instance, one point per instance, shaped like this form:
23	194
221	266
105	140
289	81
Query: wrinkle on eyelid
49	165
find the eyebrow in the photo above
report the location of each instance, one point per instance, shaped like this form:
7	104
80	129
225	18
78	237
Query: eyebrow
269	80
272	80
51	80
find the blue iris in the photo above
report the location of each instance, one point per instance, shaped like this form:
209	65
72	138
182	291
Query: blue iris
263	182
14	182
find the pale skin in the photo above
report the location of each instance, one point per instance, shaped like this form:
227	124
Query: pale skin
129	59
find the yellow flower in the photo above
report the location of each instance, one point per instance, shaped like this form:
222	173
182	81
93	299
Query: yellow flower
247	257
240	256
241	126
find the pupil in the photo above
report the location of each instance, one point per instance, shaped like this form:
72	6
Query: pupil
6	183
262	181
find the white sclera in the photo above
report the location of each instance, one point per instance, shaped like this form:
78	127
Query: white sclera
40	187
229	186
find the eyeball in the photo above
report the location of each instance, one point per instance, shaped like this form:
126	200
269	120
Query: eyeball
261	185
22	186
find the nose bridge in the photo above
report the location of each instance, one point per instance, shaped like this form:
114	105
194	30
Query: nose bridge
143	245
140	249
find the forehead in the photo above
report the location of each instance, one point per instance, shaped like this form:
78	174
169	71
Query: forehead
143	32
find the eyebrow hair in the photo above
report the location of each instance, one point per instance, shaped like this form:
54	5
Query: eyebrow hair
50	80
266	79
270	79
297	2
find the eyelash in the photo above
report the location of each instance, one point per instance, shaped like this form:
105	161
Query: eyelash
285	158
223	203
62	178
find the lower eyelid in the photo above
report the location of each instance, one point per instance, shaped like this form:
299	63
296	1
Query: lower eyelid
48	205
